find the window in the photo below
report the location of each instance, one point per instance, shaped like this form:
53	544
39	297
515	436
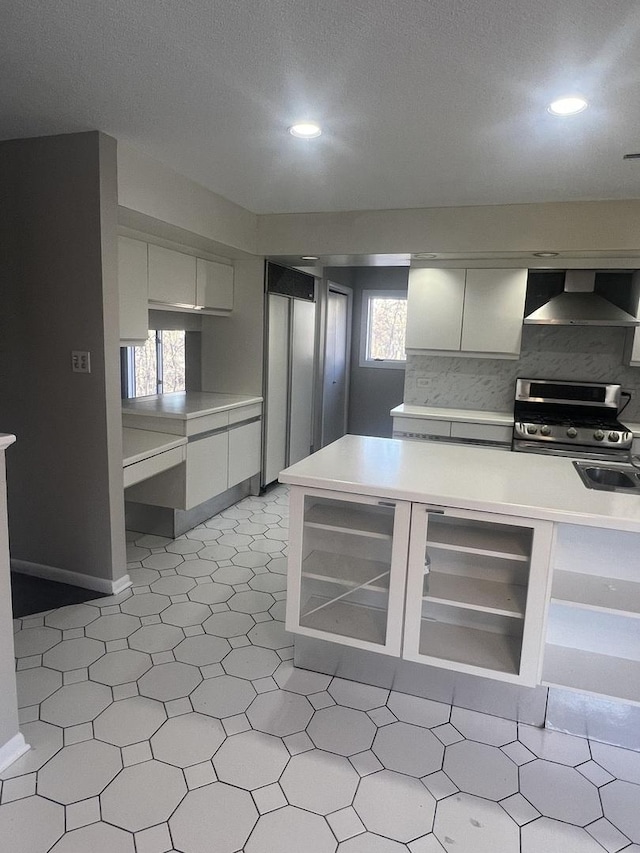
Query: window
156	368
382	332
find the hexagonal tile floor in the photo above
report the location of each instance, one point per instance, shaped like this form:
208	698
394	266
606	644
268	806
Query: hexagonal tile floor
172	714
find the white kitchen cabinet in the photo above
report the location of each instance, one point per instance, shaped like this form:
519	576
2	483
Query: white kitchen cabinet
172	278
349	554
133	291
207	467
463	432
634	360
593	624
244	451
214	285
493	311
473	312
476	592
435	300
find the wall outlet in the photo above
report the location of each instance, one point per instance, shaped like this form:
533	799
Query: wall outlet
81	361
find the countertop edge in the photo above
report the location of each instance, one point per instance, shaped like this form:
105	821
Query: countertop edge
159	442
437	413
185	416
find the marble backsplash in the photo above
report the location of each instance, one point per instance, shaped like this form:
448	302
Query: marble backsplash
582	353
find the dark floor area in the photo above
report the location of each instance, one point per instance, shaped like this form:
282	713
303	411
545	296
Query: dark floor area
33	595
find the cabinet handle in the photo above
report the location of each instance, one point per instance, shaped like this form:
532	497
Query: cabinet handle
435	509
386	503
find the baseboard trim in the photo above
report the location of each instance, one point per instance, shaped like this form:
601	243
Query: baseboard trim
53	573
12	750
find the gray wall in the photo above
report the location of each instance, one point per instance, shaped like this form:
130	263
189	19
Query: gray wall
373	391
583	353
59	284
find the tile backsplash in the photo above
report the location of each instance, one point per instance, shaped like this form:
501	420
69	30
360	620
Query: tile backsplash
581	353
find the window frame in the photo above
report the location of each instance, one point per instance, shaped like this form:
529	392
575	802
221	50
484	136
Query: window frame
365	311
127	368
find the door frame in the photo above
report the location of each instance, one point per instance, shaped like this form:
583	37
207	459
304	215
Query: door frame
348	292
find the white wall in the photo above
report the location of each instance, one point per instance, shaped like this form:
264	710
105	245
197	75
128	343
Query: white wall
232	347
60	294
609	226
151	188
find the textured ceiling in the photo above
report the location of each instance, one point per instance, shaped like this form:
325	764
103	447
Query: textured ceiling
424	102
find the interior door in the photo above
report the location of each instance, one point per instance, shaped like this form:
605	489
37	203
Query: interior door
302	379
336	366
277	391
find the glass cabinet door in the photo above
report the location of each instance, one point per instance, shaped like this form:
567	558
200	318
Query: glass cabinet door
476	591
351	553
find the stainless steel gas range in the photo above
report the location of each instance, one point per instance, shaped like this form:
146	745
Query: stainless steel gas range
578	419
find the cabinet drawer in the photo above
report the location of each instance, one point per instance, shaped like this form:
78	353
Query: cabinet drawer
244	452
482	432
207	468
421	426
245	413
206	423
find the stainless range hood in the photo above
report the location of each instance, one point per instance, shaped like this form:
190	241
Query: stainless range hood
579	305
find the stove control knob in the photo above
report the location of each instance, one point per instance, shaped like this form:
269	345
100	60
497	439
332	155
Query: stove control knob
572	432
532	429
598	435
545	430
614	436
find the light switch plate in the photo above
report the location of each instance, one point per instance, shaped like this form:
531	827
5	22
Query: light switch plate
80	361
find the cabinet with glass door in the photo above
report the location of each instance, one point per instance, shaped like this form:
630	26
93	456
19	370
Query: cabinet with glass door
476	590
350	557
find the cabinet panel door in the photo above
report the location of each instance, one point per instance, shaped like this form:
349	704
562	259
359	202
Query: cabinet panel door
493	311
207	468
133	290
347	568
214	285
434	309
635	349
244	452
303	337
172	277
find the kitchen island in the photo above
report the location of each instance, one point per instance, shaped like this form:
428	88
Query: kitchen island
471	560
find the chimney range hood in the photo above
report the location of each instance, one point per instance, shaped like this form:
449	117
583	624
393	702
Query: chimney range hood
579	305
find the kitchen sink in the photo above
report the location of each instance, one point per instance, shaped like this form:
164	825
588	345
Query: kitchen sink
607	478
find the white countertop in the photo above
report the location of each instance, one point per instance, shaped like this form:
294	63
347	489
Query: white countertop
484	479
140	444
474	416
184	405
434	413
6	439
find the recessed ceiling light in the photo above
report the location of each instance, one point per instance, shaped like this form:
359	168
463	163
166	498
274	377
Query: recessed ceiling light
309	258
545	254
424	256
305	130
567	106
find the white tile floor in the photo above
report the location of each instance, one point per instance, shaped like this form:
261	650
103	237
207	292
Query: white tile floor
170	718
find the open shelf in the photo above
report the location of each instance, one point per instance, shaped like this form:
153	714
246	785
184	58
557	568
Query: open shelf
470	646
351	519
602	675
346	570
476	594
343	618
495	540
595	592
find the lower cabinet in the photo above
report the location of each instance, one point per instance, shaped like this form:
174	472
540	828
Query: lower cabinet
244	451
476	591
207	468
349	554
464	590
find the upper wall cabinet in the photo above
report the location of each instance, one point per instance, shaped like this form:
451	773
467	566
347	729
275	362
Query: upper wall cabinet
133	288
214	285
475	312
184	282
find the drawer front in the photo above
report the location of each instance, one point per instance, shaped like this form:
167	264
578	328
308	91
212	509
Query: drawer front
245	413
139	471
206	423
421	426
207	468
482	432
